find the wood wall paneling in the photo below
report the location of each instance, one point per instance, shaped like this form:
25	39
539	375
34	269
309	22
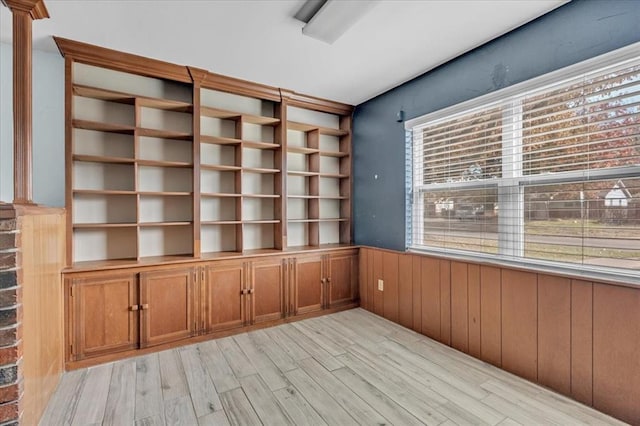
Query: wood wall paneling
378	296
43	256
363	278
473	292
459	307
554	332
430	270
390	292
616	349
490	315
405	290
416	277
582	341
519	323
445	302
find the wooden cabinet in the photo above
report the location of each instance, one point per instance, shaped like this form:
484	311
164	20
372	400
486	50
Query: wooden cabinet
306	285
322	281
342	278
223	290
122	310
266	291
102	315
114	312
167	306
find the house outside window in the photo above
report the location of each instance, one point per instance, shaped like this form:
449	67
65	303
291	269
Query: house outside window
546	172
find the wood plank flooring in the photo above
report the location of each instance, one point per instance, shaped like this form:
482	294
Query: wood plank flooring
348	368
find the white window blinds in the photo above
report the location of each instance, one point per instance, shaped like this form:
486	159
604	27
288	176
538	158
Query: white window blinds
547	174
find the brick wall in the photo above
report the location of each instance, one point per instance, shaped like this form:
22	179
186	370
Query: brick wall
10	318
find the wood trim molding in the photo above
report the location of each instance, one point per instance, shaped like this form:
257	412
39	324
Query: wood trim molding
316	104
241	87
121	61
197	75
35	8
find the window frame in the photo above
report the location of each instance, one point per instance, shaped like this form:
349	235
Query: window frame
514	178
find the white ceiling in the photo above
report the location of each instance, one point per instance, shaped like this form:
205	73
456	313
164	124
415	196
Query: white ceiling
260	40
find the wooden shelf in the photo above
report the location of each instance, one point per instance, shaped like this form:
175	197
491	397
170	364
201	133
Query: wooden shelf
317	220
103	127
129	99
260	221
164	134
302	173
301	150
259	170
259	145
220	167
219	140
333	175
336	154
233	115
103	225
158	224
165	104
303	127
102	159
319	197
220	195
156	163
103	94
103	192
166	193
260	195
220	222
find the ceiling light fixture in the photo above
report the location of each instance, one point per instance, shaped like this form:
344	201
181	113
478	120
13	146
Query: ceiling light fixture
327	20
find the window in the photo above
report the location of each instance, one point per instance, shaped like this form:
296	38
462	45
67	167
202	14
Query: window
546	172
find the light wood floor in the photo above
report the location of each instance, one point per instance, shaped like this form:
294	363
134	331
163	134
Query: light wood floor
347	368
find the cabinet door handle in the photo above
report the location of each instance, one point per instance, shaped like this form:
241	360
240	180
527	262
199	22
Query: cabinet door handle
323	281
144	306
134	307
328	280
250	291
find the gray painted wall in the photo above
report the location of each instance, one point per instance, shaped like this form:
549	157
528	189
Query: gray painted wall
572	33
48	127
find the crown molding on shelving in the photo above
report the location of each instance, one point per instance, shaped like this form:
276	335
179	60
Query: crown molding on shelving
121	61
36	8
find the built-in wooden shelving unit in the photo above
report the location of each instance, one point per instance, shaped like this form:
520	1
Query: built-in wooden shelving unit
168	162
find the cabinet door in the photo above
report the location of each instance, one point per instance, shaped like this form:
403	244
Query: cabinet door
224	302
342	273
103	315
307	284
266	295
167	306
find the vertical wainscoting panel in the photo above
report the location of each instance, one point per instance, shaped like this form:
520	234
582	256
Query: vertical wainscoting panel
445	302
490	315
519	323
582	341
405	290
416	264
473	277
363	277
579	338
390	277
431	297
554	332
378	296
616	345
459	307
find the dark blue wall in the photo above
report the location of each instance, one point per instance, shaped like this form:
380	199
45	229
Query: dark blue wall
572	33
